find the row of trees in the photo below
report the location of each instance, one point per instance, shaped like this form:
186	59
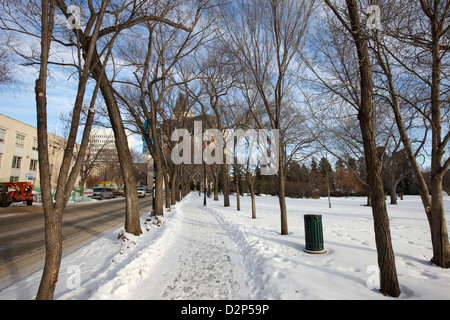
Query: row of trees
331	77
321	179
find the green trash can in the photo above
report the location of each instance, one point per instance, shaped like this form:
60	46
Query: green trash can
314	234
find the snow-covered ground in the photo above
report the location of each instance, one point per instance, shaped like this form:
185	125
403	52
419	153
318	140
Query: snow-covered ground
221	253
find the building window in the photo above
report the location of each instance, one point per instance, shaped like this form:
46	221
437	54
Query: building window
35	144
20	140
13	179
2	135
33	165
16	162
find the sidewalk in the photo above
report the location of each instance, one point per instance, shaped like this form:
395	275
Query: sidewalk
194	260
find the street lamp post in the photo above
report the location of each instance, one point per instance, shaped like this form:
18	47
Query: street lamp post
204	180
204	183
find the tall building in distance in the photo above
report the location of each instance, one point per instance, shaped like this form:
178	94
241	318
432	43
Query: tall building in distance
102	143
102	163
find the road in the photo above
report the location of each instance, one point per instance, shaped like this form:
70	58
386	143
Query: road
22	247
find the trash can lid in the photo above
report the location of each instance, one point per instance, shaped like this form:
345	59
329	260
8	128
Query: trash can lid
313	216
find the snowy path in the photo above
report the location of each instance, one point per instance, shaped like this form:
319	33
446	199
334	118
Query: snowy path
194	260
204	269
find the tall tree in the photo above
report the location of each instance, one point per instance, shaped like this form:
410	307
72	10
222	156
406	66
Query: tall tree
437	13
53	239
413	31
89	46
215	68
394	98
386	260
155	72
265	36
69	169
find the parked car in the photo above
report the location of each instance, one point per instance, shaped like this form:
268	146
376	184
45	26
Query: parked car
141	192
118	193
102	193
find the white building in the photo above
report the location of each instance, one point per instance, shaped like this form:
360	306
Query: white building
103	153
19	153
102	142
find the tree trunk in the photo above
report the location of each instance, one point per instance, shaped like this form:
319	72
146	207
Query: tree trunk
386	260
53	234
439	234
216	182
226	185
252	193
159	181
328	189
394	192
238	200
168	194
281	191
132	220
173	187
178	188
53	254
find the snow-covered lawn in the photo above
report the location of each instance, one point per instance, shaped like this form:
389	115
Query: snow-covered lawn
221	253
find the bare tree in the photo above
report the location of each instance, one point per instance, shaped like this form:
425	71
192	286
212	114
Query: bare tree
6	63
52	226
265	36
44	22
214	73
155	64
84	42
386	261
395	169
437	13
413	43
393	97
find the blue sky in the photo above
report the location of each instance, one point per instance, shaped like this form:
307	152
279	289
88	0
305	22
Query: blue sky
19	103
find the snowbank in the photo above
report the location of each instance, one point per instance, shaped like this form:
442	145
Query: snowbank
281	270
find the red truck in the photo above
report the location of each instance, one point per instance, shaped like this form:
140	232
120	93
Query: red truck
15	192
